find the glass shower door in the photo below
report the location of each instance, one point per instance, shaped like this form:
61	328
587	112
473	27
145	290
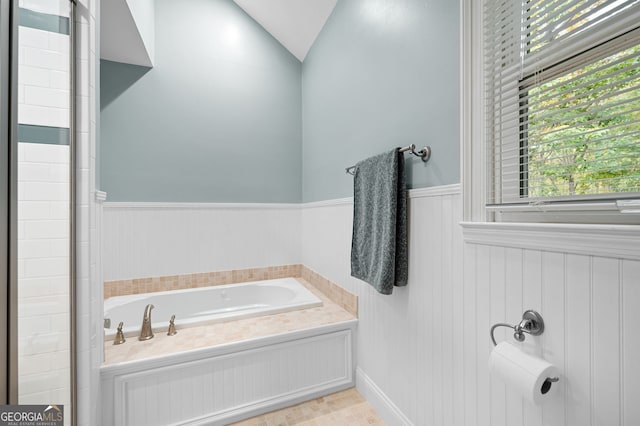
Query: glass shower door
44	188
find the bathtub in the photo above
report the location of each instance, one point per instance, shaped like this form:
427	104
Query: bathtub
206	305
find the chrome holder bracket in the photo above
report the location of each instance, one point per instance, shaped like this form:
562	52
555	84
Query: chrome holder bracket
532	323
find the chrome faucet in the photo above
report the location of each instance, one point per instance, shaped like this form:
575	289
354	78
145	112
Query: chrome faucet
146	332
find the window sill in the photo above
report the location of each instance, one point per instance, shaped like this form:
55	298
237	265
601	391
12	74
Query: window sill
617	241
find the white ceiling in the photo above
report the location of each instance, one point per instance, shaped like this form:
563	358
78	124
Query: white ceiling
294	23
120	37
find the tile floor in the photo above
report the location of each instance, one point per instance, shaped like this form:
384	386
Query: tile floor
346	408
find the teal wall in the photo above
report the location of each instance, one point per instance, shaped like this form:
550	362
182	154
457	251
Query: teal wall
218	118
228	115
382	73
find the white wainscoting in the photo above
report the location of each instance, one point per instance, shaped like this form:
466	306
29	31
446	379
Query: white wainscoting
423	351
409	344
157	239
590	308
222	384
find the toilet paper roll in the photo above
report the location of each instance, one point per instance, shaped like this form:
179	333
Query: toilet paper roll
523	373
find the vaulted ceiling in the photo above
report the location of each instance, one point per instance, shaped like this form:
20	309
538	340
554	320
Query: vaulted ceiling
294	23
127	31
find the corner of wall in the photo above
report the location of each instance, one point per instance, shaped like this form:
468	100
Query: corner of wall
88	265
128	31
143	13
385	408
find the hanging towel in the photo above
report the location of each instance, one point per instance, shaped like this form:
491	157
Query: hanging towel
379	241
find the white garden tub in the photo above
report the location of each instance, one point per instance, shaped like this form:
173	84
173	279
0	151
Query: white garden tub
207	305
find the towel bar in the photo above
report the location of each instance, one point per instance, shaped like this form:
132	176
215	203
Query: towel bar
424	154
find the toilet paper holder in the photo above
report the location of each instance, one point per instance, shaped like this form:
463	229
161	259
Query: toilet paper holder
532	323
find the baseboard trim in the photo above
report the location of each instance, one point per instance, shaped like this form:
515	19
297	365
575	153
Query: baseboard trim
385	408
267	406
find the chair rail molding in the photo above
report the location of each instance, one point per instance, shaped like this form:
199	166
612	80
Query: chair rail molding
615	241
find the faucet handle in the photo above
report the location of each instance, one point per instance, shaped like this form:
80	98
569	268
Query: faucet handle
172	327
119	335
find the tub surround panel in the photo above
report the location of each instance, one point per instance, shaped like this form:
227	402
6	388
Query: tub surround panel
229	383
149	240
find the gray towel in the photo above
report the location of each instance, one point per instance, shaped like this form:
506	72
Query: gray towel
379	242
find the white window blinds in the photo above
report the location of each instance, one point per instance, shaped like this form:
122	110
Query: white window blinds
562	81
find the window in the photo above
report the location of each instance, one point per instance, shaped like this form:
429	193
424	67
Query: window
562	81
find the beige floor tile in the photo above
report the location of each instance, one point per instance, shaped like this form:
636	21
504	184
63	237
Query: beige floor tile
346	408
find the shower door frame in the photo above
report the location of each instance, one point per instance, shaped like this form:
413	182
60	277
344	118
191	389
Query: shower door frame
8	204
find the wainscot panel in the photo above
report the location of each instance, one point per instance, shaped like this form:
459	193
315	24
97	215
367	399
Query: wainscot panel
159	239
423	351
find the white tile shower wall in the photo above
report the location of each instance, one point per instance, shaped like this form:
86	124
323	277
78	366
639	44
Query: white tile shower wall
51	7
43	210
150	240
43	86
43	296
423	351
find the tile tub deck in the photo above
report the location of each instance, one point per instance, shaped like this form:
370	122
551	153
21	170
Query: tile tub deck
229	332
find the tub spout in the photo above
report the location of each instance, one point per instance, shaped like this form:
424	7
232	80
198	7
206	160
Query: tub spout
146	332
